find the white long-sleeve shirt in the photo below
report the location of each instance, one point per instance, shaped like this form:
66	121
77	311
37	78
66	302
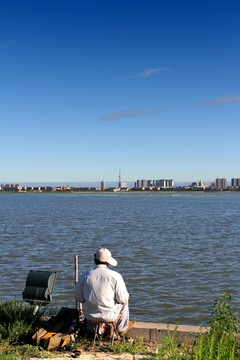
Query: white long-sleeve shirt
101	290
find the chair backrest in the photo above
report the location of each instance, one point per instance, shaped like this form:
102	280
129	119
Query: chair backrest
39	287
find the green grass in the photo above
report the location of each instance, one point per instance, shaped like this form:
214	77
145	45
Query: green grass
21	352
17	321
220	343
126	346
17	324
9	357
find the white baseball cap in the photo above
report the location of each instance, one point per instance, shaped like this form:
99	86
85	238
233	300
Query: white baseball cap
104	255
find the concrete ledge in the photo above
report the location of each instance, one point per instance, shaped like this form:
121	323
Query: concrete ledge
157	332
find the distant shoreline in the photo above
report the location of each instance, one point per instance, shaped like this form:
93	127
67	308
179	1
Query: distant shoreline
130	192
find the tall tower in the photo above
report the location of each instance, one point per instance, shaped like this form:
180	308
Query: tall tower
119	179
221	184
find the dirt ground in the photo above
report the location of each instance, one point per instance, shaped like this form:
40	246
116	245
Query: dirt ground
94	356
86	352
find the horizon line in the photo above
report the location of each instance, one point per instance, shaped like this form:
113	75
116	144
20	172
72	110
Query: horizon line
187	182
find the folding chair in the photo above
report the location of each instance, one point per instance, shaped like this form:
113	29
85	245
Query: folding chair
39	288
96	326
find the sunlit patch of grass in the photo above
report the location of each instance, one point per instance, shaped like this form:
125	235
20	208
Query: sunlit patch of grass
130	346
220	343
20	352
17	320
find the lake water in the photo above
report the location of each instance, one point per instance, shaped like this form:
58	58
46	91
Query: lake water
177	252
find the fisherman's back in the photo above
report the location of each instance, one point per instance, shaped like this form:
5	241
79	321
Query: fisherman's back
101	291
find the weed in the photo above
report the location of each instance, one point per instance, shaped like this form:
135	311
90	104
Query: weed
20	352
126	346
9	357
83	342
220	343
17	323
17	320
170	347
223	317
7	352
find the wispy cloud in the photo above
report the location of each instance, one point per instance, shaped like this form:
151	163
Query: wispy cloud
124	114
148	72
223	100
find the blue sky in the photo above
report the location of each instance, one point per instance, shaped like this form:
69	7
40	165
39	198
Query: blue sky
148	86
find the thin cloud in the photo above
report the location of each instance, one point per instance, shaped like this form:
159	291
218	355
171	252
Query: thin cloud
223	100
124	114
148	72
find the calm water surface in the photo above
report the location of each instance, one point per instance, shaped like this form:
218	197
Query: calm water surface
177	252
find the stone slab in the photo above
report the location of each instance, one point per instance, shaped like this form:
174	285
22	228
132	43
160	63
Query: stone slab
156	332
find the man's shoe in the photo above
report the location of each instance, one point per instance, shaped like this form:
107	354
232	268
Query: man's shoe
130	325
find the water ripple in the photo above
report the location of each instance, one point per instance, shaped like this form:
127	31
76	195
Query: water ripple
177	254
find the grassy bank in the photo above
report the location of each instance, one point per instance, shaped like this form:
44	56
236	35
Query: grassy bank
220	343
18	324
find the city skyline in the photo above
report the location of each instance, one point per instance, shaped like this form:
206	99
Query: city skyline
219	184
151	87
146	182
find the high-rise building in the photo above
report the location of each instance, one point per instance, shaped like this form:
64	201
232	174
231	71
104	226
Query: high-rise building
154	183
235	183
102	184
221	183
163	183
141	183
137	184
151	183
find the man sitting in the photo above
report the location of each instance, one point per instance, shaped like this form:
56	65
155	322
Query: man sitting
103	293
